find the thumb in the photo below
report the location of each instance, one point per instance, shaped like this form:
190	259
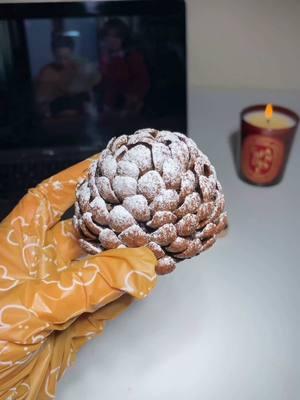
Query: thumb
128	270
45	304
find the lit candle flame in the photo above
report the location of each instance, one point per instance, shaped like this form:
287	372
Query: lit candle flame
269	111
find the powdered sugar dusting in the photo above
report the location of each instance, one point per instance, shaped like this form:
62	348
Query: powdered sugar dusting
128	168
120	219
105	190
150	185
109	144
180	153
85	230
90	247
188	184
118	142
172	174
164	235
194	248
88	220
99	211
205	210
165	265
219	205
222	223
164	136
124	186
207	186
190	205
191	144
179	244
108	167
134	236
141	156
140	135
169	194
187	225
160	154
208	230
167	200
157	250
146	131
137	206
120	153
109	239
84	193
161	218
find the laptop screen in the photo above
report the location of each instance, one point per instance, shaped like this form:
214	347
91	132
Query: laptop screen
76	74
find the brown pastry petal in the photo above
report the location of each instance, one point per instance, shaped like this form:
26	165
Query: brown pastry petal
134	236
187	225
161	218
165	265
164	235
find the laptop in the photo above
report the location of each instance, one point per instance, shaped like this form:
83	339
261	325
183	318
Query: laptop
75	74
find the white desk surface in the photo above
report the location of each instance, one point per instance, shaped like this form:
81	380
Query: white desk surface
226	324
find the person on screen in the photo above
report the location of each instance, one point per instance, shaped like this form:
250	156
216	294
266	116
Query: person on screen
124	75
64	86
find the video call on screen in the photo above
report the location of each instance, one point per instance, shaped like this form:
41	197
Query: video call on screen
78	81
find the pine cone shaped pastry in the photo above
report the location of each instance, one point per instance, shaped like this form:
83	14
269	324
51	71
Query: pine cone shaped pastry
152	188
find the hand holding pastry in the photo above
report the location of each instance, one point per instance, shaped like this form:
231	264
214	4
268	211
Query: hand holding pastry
51	299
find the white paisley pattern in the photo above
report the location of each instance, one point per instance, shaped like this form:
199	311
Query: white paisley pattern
37	282
6	282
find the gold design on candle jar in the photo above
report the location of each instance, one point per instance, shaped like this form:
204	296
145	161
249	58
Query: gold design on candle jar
262	158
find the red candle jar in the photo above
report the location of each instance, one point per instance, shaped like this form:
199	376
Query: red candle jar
267	133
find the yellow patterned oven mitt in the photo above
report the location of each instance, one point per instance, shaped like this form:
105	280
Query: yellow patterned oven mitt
52	300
